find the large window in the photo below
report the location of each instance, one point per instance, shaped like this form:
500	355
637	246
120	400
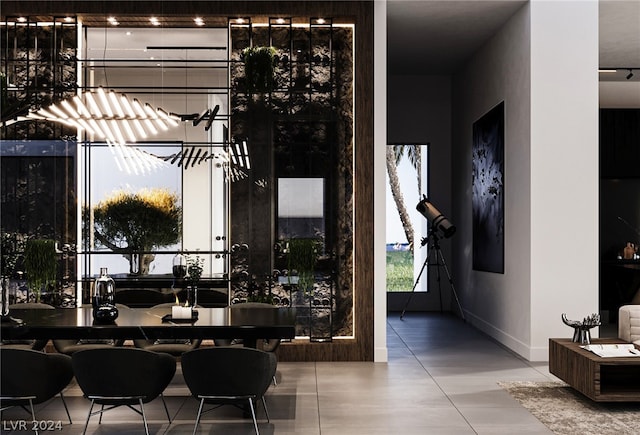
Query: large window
407	169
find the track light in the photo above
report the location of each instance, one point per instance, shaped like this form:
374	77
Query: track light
630	74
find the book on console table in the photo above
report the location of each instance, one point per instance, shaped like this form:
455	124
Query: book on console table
613	350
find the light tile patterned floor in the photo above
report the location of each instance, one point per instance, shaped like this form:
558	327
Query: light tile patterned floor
441	378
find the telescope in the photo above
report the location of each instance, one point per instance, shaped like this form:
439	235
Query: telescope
437	219
442	224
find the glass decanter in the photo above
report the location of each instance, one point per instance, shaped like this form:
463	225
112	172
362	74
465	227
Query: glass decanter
104	290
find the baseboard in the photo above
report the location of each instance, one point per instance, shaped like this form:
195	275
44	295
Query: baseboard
524	350
380	354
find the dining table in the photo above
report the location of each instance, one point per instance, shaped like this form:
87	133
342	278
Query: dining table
248	324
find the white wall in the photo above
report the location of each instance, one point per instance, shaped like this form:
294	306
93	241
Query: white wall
620	95
564	162
498	304
379	136
543	65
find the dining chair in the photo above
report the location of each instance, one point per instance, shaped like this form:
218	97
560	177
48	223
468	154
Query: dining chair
175	347
37	344
267	344
29	377
120	376
69	347
228	375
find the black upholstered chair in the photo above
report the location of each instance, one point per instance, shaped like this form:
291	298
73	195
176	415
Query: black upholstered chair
228	375
38	344
120	376
29	377
141	297
268	344
175	347
69	347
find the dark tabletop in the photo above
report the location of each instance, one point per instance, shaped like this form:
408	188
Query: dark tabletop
147	323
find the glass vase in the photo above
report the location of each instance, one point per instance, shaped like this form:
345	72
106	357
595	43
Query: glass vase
192	295
179	268
104	290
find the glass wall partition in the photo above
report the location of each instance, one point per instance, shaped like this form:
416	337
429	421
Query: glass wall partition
292	216
38	159
254	175
165	195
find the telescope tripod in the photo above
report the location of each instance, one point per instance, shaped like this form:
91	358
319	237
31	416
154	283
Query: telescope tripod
433	245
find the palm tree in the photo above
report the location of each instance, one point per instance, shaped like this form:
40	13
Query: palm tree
393	157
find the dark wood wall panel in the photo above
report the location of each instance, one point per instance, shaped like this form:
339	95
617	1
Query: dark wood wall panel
361	14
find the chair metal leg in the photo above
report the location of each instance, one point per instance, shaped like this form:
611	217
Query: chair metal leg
195	428
144	417
33	414
165	407
101	412
253	414
64	402
86	424
266	411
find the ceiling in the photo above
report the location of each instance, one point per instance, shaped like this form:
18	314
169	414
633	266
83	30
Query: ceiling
451	31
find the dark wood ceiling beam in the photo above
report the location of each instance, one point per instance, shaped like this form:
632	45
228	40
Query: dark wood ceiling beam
129	12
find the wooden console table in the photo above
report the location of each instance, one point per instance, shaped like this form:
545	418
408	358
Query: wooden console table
600	379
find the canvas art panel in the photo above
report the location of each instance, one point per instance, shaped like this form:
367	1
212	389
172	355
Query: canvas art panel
488	191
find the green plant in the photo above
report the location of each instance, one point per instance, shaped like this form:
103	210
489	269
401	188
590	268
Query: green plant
259	65
135	223
302	257
41	265
399	271
194	269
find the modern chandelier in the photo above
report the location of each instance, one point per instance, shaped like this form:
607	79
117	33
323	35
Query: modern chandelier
114	118
108	115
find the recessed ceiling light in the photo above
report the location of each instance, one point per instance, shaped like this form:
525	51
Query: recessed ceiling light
280	21
22	20
240	20
320	21
128	33
68	19
152	58
113	21
154	21
199	21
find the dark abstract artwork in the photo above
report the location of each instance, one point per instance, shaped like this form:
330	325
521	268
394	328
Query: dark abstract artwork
488	191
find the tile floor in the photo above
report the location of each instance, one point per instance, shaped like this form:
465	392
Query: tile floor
441	378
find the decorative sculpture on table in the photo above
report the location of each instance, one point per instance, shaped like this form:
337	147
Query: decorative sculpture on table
581	333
